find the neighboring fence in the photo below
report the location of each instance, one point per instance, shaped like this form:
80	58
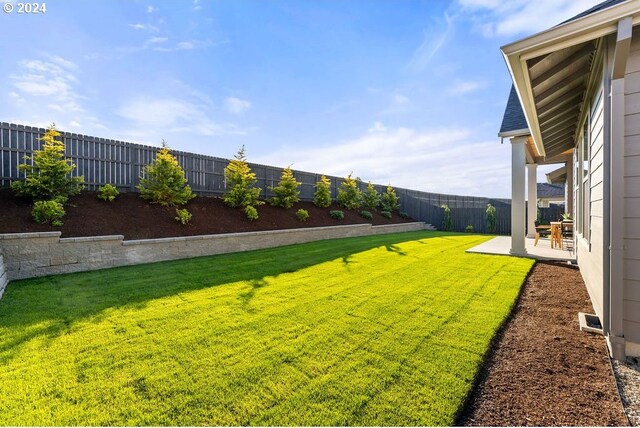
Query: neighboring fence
120	163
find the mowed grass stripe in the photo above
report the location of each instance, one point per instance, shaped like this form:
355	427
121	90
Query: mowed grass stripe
382	330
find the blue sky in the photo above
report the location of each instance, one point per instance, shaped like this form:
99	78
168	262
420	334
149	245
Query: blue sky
406	92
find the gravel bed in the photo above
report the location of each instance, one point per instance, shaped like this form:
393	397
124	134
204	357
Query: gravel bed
628	380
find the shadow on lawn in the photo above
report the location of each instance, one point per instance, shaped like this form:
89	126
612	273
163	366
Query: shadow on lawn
59	301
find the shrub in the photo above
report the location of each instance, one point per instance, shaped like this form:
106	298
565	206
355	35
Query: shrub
183	216
108	192
322	196
251	212
337	214
403	214
389	200
302	215
349	195
447	223
163	181
286	192
240	182
366	214
48	212
491	218
469	229
385	214
370	197
50	175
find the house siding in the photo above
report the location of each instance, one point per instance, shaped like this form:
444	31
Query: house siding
590	243
631	263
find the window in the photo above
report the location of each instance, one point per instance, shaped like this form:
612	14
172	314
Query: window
585	186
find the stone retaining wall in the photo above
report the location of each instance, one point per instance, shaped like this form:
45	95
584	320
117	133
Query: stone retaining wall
4	278
28	255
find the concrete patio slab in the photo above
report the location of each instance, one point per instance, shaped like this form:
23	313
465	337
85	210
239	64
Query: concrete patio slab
501	245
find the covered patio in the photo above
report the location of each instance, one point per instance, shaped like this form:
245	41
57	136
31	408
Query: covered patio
501	245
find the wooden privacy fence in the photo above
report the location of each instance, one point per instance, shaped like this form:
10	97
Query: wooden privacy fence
104	161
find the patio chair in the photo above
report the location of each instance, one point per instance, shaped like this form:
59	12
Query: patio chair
567	231
541	231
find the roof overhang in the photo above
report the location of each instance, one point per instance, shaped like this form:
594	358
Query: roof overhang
557	176
551	72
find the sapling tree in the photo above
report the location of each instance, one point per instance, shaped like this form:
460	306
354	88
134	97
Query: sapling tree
349	195
447	223
49	177
286	192
322	195
389	200
370	197
491	218
164	182
240	181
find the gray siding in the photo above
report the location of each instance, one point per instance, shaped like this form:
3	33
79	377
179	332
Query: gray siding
590	244
631	269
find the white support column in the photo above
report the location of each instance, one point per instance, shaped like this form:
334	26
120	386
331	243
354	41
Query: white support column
517	195
568	189
532	199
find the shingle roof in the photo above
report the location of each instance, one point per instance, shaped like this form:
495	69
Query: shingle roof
600	6
546	190
513	119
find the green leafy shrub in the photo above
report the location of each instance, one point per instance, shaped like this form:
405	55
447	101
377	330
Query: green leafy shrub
404	215
491	218
183	216
240	182
251	212
385	214
366	214
447	223
163	181
50	175
389	201
286	192
322	195
349	195
302	215
108	192
370	197
469	228
48	212
337	214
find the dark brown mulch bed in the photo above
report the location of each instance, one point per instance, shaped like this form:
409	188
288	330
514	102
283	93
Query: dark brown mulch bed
543	370
134	218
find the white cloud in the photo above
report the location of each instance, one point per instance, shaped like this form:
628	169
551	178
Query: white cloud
377	127
442	160
399	99
236	105
144	27
514	17
154	40
151	9
196	5
463	87
434	39
162	116
47	89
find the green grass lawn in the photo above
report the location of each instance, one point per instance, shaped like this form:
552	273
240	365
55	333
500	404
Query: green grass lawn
382	330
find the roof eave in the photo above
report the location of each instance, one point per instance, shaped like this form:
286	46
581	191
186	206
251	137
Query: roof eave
515	133
590	27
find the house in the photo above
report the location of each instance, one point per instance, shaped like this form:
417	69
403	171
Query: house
575	101
550	193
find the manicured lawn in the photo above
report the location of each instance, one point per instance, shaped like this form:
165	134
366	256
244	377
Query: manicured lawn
383	330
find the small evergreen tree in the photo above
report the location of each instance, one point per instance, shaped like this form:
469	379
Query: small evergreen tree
163	181
240	182
322	195
286	192
49	177
491	218
389	200
370	197
349	195
447	223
